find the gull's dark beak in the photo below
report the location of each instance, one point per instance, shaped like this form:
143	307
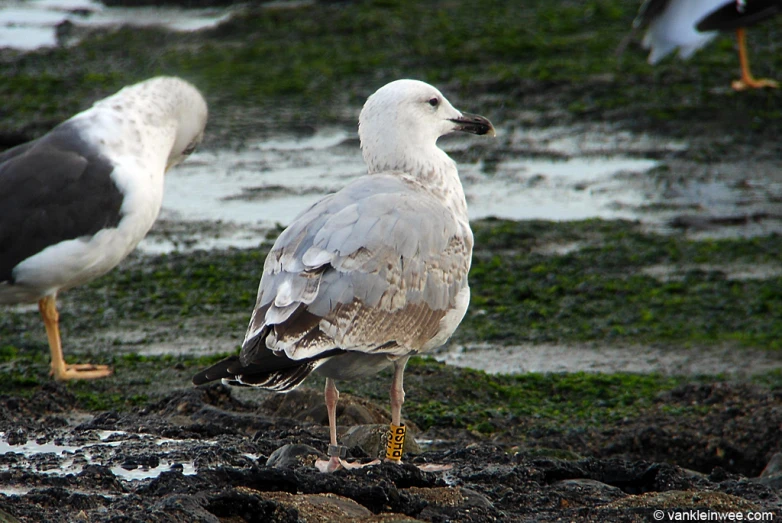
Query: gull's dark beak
472	123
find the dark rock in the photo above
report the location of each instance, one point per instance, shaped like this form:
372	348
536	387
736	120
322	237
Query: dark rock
456	504
5	517
102	477
676	499
251	506
320	507
375	487
217	455
236	422
189	401
294	456
774	467
771	475
544	452
174	482
372	440
17	437
257	478
185	508
451	497
145	461
104	421
586	492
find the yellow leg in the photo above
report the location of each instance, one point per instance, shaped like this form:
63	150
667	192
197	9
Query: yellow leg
60	370
747	80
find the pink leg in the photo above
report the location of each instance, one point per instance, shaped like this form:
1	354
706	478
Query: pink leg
398	391
397	399
336	452
396	434
332	395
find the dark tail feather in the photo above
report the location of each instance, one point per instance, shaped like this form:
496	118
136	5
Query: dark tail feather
282	380
225	369
271	371
263	362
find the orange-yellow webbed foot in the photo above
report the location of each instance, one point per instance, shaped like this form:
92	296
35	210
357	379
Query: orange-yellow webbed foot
753	83
80	371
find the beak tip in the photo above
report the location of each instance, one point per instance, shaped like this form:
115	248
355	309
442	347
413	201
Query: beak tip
474	124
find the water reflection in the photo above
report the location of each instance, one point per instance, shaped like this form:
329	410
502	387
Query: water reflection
31	24
267	183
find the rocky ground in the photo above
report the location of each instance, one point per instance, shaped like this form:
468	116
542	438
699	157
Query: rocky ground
144	445
207	455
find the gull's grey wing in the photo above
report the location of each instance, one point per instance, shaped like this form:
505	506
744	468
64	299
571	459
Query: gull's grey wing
372	268
53	189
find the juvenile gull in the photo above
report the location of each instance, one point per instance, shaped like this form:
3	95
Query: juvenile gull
688	25
372	274
76	201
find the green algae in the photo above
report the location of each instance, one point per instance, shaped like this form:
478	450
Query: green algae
136	379
488	403
293	65
438	395
522	289
446	397
600	292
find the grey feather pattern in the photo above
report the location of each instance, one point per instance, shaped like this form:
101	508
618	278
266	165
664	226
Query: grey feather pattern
371	268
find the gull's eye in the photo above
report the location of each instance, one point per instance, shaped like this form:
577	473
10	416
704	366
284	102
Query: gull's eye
434	102
190	148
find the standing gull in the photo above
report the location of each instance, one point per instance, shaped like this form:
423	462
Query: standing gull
372	274
688	25
76	201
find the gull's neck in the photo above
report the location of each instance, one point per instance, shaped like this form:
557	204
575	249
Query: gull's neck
428	166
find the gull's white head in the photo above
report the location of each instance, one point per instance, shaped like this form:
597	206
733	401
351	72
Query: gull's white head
191	115
401	122
166	102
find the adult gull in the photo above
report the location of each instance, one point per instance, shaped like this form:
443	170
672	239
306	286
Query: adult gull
688	25
76	201
372	274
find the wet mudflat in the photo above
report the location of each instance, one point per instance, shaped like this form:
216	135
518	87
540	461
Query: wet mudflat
651	323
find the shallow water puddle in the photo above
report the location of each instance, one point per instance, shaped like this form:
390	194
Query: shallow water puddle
602	358
231	197
572	189
15	490
31	24
67	456
242	193
592	139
